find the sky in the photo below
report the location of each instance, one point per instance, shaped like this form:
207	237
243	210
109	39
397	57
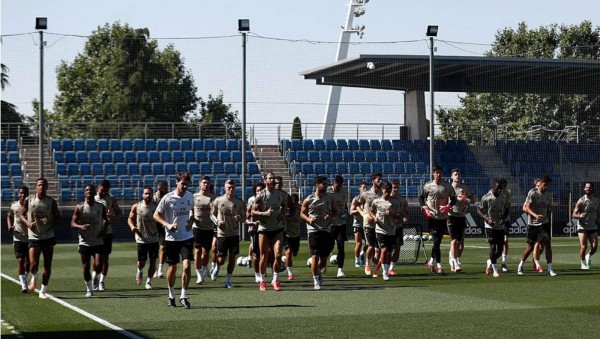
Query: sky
471	21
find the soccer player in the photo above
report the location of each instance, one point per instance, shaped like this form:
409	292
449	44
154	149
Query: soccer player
175	213
292	236
288	212
89	219
252	222
142	224
538	206
508	193
317	211
586	210
40	214
339	196
270	207
457	220
363	204
437	199
20	240
386	218
494	208
204	228
400	205
357	225
114	214
227	212
162	188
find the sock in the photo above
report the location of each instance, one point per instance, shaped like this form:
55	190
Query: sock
171	292
23	279
431	261
549	266
43	289
392	265
257	276
148	280
217	267
458	261
139	271
290	270
34	277
521	263
228	277
94	275
494	268
262	277
588	257
537	263
488	263
356	259
386	268
198	272
160	267
316	279
102	277
583	262
275	276
89	286
183	294
340	270
439	265
504	259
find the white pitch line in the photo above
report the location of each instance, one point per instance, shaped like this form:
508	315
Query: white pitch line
82	312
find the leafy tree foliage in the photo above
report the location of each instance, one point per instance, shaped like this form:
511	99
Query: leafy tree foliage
12	121
216	119
122	76
520	111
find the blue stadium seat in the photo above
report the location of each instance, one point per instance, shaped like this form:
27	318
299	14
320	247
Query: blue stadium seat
84	168
387	167
129	156
341	167
162	144
213	155
129	193
165	156
72	169
4	168
180	167
65	194
189	156
306	168
108	168
319	168
13	156
193	168
375	145
236	156
174	144
319	144
342	144
381	156
386	145
330	167
409	167
186	144
330	144
78	145
61	169
116	192
59	156
205	168
301	156
233	144
364	167
336	156
347	156
118	156
359	156
67	145
102	145
399	167
126	145
353	167
238	167
105	156
420	167
177	156
197	144
253	168
138	144
6	181
296	145
150	145
224	156
120	168
308	145
145	168
115	144
208	144
169	168
201	156
306	191
137	181
125	180
133	168
220	144
55	144
370	156
403	156
157	168
376	167
352	145
229	167
313	156
217	167
364	144
93	156
70	156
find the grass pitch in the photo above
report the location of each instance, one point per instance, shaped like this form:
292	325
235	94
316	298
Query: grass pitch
417	303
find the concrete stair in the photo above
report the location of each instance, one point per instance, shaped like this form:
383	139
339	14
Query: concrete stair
30	161
270	160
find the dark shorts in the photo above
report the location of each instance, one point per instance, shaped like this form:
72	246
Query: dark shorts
494	237
318	242
399	236
589	233
203	238
537	233
371	237
338	230
387	241
437	228
228	246
21	249
145	251
91	251
108	240
179	250
293	243
456	227
271	234
42	242
254	242
359	230
161	234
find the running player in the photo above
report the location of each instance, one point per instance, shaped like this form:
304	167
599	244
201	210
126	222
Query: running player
20	240
114	214
227	212
317	211
339	196
287	214
357	225
437	199
204	229
538	205
508	193
494	208
457	221
162	188
386	218
175	213
400	205
586	210
292	236
364	205
252	222
142	224
89	219
270	207
40	214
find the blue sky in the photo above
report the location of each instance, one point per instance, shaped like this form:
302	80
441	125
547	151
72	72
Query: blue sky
385	20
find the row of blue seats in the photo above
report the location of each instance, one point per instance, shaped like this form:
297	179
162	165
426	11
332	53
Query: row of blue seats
133	194
150	156
380	156
155	168
370	144
534	168
10	157
359	167
11	169
13	182
145	144
8	145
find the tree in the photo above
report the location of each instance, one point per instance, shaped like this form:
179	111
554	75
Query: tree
216	119
297	129
122	76
520	111
13	126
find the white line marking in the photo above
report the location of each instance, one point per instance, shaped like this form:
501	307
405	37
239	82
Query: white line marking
82	312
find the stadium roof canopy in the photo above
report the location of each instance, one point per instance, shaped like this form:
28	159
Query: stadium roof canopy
463	74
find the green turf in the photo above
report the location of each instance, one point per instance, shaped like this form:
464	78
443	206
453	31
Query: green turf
417	303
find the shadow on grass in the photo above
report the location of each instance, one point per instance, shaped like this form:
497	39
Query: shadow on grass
70	334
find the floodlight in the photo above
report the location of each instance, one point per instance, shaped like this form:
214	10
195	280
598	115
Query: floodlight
244	25
359	11
432	30
41	23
